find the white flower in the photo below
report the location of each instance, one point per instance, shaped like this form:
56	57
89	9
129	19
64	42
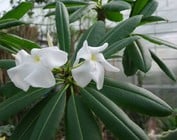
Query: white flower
36	69
93	67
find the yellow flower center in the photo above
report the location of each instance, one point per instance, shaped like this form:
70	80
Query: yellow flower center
93	57
37	58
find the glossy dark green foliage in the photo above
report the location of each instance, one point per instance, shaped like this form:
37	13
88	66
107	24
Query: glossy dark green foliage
8	23
158	41
163	66
112	116
6	63
135	98
114	16
8	90
17	42
19	101
81	119
62	25
50	117
19	11
129	67
25	128
138	6
140	56
116	5
150	8
93	35
122	30
118	45
151	19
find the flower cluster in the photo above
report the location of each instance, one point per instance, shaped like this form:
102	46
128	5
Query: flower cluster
35	69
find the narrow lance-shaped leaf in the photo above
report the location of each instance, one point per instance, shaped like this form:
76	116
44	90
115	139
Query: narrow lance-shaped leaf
93	35
7	23
18	42
150	8
129	67
138	6
18	11
116	6
25	128
118	45
19	101
140	56
135	98
81	119
151	19
163	66
62	25
6	63
112	116
48	122
158	41
121	31
9	89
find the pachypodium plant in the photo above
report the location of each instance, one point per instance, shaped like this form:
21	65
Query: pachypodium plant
58	84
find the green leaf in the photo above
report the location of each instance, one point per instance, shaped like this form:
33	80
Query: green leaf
19	101
158	41
150	8
151	19
19	11
129	67
118	45
93	35
8	23
62	25
138	6
6	63
67	4
9	90
121	31
116	6
70	10
50	117
112	116
114	16
25	128
140	56
80	12
80	118
135	98
6	48
18	42
163	66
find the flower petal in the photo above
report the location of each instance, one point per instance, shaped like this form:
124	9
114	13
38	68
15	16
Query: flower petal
97	73
51	57
96	50
81	74
40	77
22	57
107	66
17	75
83	53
